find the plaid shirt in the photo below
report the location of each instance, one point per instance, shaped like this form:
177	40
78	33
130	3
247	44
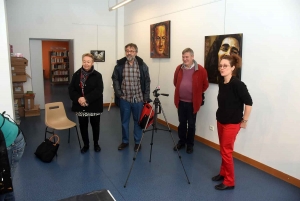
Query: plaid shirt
131	86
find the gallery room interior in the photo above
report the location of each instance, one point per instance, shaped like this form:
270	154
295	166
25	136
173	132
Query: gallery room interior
265	153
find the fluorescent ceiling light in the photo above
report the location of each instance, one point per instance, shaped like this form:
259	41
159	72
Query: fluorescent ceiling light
119	5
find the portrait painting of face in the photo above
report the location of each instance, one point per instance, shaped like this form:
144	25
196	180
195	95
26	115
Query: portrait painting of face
160	40
99	55
218	46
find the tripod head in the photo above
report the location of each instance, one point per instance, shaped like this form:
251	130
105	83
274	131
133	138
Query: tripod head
156	100
156	94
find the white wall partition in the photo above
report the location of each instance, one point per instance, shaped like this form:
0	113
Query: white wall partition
270	57
6	103
37	78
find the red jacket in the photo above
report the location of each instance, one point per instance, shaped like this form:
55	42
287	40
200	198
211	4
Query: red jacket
200	84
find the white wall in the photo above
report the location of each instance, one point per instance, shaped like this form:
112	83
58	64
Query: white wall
6	103
270	67
88	23
37	82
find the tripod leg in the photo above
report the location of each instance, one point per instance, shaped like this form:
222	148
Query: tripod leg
151	144
179	156
134	157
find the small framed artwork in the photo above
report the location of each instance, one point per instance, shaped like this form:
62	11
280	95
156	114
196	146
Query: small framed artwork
160	40
99	55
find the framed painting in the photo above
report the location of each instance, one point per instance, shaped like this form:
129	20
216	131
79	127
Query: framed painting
160	40
99	55
217	46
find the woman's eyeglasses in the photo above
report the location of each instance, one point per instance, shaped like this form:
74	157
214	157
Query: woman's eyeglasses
224	66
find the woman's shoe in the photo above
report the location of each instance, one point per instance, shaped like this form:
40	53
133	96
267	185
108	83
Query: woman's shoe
97	148
223	187
217	178
84	149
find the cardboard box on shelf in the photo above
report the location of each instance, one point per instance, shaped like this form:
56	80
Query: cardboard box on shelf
19	78
18	88
29	101
17	96
18	61
33	112
18	69
18	73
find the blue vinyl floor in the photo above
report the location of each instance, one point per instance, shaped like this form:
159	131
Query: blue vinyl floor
162	179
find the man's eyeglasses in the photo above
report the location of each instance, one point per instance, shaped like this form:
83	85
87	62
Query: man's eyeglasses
130	51
224	66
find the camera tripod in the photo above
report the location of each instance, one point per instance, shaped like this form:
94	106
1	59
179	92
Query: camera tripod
158	110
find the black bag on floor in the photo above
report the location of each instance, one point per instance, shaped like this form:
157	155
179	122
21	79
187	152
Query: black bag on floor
47	149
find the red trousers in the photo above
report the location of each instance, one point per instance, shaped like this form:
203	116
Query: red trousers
227	134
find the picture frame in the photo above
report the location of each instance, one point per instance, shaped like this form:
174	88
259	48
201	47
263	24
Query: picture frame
160	40
215	47
99	55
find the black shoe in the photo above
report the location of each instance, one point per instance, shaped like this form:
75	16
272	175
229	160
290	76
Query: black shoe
122	146
178	146
84	149
217	178
97	148
189	150
223	187
136	147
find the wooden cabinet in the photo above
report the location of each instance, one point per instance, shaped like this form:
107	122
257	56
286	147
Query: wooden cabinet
59	65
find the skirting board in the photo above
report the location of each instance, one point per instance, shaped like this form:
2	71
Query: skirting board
276	173
107	104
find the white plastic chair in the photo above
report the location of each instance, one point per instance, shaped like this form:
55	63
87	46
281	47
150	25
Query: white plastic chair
56	118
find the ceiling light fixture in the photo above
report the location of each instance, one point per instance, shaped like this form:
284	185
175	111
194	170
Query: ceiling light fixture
119	5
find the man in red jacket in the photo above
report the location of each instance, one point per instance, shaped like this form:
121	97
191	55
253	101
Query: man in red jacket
190	81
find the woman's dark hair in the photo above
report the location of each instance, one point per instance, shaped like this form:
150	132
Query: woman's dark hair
212	61
234	60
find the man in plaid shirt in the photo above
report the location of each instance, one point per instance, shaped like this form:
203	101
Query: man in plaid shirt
131	82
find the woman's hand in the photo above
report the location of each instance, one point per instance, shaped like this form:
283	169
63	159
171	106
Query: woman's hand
82	101
243	123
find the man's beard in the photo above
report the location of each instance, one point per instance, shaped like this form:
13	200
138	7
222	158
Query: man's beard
130	58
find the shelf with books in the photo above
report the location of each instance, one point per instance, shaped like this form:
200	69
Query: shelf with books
59	64
60	72
60	79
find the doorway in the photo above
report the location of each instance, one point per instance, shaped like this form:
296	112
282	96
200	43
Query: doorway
41	65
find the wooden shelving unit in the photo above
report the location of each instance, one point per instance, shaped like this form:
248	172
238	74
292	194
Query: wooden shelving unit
59	64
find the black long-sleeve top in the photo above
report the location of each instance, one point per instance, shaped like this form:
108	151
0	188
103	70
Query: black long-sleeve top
93	92
231	99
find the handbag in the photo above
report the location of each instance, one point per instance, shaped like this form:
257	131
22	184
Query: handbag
48	149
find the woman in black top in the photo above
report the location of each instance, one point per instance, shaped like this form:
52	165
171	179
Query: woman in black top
233	98
86	92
